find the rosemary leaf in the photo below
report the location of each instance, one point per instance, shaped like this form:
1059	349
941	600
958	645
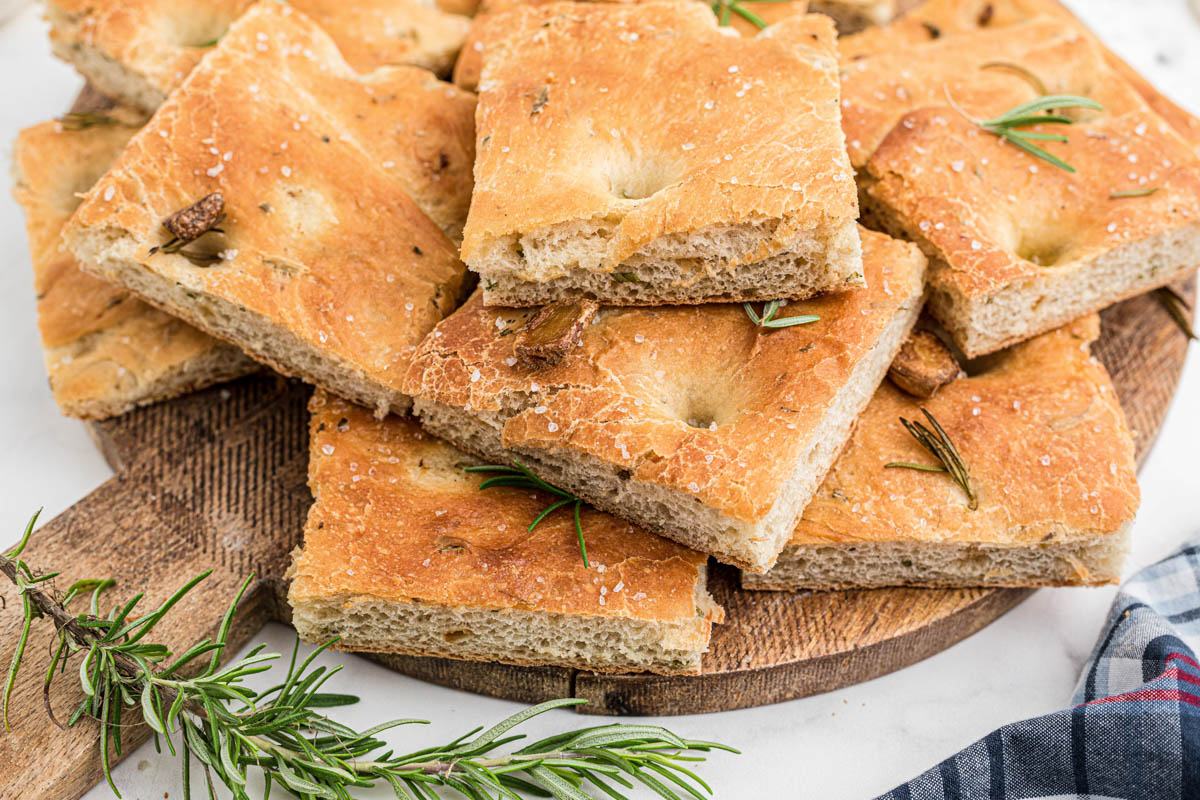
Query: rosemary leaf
1017	69
82	120
911	465
1133	193
768	319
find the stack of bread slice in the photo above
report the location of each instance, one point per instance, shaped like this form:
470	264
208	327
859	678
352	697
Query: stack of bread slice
641	265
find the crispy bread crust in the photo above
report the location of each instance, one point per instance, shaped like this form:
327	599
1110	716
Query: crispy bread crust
1050	457
742	146
330	270
1018	246
638	396
935	19
140	50
470	59
397	521
106	351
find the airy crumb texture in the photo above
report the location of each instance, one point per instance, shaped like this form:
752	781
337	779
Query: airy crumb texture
938	19
689	421
729	181
106	351
403	554
470	59
1051	462
1017	245
328	269
140	50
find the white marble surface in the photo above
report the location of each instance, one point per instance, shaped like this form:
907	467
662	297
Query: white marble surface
852	743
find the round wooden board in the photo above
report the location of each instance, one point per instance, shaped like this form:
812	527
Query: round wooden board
777	646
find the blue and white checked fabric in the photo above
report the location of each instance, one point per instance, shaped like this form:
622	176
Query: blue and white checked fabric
1133	731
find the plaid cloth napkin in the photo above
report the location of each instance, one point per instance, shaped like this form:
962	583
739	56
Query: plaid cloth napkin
1133	731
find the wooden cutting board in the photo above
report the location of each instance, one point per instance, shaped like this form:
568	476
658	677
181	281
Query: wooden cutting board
216	481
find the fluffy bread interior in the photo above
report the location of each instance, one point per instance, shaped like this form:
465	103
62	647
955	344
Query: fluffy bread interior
1083	560
511	636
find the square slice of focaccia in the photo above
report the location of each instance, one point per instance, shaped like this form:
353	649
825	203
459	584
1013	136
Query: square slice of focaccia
690	421
1051	463
643	155
328	262
1019	245
140	50
106	351
404	554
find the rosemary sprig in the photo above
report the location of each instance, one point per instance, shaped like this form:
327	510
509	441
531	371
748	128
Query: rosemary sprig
519	476
1178	308
725	9
1036	112
768	320
938	443
1133	193
208	712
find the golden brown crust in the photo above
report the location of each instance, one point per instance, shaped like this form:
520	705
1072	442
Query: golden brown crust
935	19
642	390
470	59
744	135
1019	246
1042	432
156	43
324	251
396	519
106	351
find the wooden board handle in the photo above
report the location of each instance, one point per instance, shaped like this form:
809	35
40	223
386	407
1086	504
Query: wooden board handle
167	517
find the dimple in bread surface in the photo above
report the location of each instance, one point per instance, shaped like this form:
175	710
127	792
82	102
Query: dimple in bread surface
1051	461
397	526
329	268
141	50
693	403
1017	245
735	160
105	351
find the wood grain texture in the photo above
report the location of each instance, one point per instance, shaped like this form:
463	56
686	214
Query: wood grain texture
216	480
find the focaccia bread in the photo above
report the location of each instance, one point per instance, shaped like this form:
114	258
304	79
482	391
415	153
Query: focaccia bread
1017	245
106	351
689	421
1051	463
327	269
140	50
936	19
470	58
403	554
727	179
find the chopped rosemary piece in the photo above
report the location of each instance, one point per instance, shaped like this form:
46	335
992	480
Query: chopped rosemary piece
519	476
938	443
1178	308
1036	112
203	709
768	320
82	120
1133	193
